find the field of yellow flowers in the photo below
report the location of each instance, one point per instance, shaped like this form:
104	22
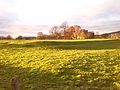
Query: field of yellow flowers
60	64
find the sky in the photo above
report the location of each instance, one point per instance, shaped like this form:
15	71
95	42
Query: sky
27	17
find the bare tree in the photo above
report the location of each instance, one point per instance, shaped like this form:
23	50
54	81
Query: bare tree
91	35
64	26
19	37
9	37
40	35
55	32
2	37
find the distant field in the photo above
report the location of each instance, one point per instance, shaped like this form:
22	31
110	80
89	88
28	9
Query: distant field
61	64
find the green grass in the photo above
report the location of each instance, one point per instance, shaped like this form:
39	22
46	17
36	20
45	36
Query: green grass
61	64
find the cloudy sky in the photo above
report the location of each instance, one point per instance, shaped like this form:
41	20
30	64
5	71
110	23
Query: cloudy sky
27	17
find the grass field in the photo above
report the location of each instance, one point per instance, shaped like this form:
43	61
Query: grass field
60	64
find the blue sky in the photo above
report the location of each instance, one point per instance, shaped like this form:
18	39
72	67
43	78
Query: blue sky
28	17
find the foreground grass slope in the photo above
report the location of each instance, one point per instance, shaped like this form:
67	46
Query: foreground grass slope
61	65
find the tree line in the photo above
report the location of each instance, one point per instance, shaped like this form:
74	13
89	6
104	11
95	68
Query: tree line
64	31
9	37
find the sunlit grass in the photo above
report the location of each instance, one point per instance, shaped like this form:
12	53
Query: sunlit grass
61	64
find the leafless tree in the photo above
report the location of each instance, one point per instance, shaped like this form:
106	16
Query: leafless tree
40	35
9	37
64	26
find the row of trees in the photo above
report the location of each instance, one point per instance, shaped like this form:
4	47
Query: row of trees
9	37
64	31
113	35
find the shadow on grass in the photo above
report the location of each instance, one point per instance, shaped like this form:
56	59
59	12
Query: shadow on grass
69	45
29	79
